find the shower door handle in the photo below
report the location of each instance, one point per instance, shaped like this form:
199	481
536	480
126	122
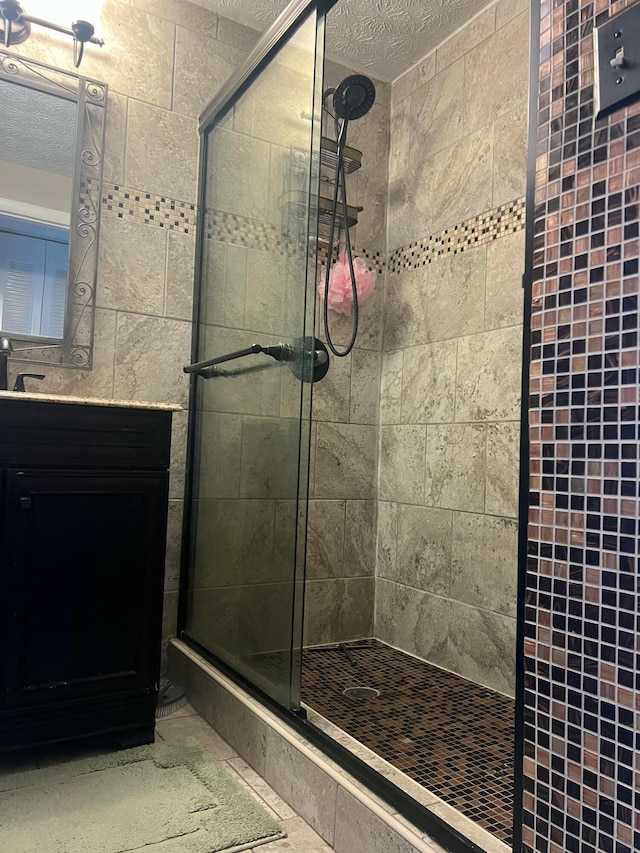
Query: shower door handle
206	369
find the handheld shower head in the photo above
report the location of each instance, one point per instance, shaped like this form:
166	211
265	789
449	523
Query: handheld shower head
354	97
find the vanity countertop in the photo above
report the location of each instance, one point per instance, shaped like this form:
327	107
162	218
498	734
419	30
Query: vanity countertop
89	401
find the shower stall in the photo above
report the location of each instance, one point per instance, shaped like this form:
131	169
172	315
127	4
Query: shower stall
349	554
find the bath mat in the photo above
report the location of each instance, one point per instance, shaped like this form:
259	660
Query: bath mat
164	798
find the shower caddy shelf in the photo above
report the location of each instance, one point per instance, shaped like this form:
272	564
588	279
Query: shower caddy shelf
295	201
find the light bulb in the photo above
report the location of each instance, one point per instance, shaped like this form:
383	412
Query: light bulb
63	12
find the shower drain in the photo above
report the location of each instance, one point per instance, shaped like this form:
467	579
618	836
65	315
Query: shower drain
361	693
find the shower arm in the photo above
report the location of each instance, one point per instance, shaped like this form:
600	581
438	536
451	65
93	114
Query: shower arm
279	352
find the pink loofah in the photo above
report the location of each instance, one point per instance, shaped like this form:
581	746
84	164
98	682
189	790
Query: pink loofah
340	292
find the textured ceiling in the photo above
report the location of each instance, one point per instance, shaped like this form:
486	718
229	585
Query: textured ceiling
24	110
382	37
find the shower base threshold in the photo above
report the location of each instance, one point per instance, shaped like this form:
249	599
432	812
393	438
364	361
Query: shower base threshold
339	807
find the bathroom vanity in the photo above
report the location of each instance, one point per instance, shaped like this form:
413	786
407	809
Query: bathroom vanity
83	514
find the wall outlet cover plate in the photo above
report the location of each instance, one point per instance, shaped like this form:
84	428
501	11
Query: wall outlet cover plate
617	61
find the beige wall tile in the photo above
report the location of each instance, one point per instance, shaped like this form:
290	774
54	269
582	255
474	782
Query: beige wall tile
370	135
114	142
338	610
345	461
423	558
462	179
415	621
138	284
400	138
456	292
202	66
391	388
220	455
489	376
482	647
325	539
428	383
162	151
503	460
435	116
387	539
270	452
360	538
416	76
497	74
504	299
506	10
474	33
358	828
510	155
174	545
455	466
246	732
365	386
406	309
244	192
332	396
371	194
402	455
484	562
179	281
237	35
181	12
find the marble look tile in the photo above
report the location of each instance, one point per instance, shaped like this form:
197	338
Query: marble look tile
138	62
242	729
339	609
178	455
484	562
455	295
260	787
174	730
482	647
406	309
506	10
300	839
185	14
114	140
412	620
474	33
169	624
243	192
264	625
270	448
370	326
411	205
424	549
455	466
325	539
371	136
345	461
402	455
497	74
162	152
235	543
202	66
400	138
387	538
503	461
237	35
331	397
415	77
365	386
391	388
428	383
302	784
138	284
225	271
510	155
489	376
371	194
462	179
435	115
281	94
266	292
142	343
213	620
220	450
178	300
504	296
358	828
174	546
360	538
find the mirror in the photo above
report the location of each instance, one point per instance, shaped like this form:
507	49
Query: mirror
51	150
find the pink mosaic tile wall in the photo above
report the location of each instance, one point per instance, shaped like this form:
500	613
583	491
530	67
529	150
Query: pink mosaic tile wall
582	662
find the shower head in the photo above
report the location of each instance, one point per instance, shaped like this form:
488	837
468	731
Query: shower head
354	97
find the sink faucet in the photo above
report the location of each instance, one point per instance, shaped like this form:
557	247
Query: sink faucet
5	350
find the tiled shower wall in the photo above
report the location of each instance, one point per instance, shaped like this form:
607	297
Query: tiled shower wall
450	398
581	784
163	61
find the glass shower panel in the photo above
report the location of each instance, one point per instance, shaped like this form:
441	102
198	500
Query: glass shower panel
252	418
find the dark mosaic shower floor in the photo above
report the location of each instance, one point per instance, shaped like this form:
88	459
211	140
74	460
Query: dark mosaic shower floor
450	735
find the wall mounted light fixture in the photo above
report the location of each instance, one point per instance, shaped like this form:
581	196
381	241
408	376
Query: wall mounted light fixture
15	27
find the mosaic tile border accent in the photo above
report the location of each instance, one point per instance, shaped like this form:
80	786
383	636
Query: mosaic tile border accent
484	228
149	209
581	774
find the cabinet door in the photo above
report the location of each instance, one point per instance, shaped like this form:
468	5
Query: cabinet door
82	565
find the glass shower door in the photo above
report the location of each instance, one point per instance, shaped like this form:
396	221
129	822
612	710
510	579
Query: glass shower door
250	415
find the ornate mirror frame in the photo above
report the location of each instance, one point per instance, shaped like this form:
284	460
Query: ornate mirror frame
76	348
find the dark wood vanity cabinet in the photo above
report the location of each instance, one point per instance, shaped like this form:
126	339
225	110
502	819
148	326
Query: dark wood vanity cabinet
83	497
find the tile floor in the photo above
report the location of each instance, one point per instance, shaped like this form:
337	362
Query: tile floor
451	736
